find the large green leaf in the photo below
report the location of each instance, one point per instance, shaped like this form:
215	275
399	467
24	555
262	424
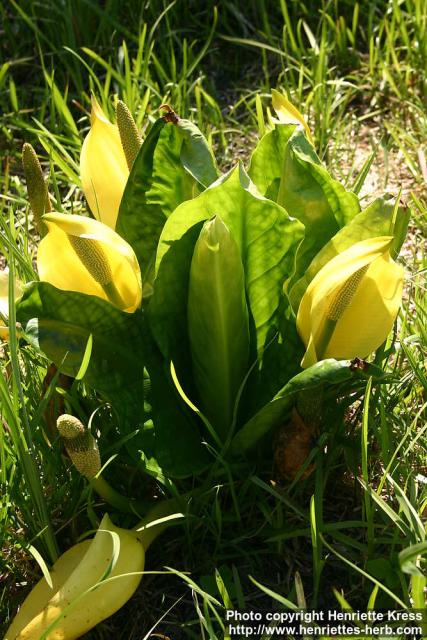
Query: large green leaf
218	323
177	440
281	361
267	239
172	182
60	323
376	220
141	219
266	165
173	165
295	178
326	372
309	193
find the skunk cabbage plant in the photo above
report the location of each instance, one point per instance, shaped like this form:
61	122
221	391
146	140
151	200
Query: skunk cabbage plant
210	302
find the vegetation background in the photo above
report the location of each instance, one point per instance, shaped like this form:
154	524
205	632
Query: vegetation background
345	535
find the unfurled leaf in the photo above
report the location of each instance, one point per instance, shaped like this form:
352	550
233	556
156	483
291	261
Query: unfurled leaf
310	194
141	218
266	165
329	372
218	323
60	323
196	155
173	165
266	238
172	183
297	181
177	442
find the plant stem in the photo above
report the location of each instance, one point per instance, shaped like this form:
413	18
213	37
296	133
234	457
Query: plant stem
116	499
160	511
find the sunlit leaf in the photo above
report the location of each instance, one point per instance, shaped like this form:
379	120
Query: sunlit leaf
272	414
173	165
266	238
218	322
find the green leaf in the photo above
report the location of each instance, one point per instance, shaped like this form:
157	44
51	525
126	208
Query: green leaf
310	194
86	359
218	323
142	216
364	171
178	444
171	182
60	324
196	155
266	165
376	220
272	414
267	239
280	361
409	558
42	564
296	180
305	178
173	165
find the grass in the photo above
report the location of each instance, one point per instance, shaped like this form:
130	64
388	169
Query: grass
342	536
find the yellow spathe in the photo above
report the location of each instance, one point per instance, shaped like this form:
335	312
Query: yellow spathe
91	587
350	306
4	300
103	167
84	255
287	113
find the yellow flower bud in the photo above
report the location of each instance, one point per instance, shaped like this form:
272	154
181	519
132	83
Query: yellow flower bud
103	167
84	255
351	304
288	114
